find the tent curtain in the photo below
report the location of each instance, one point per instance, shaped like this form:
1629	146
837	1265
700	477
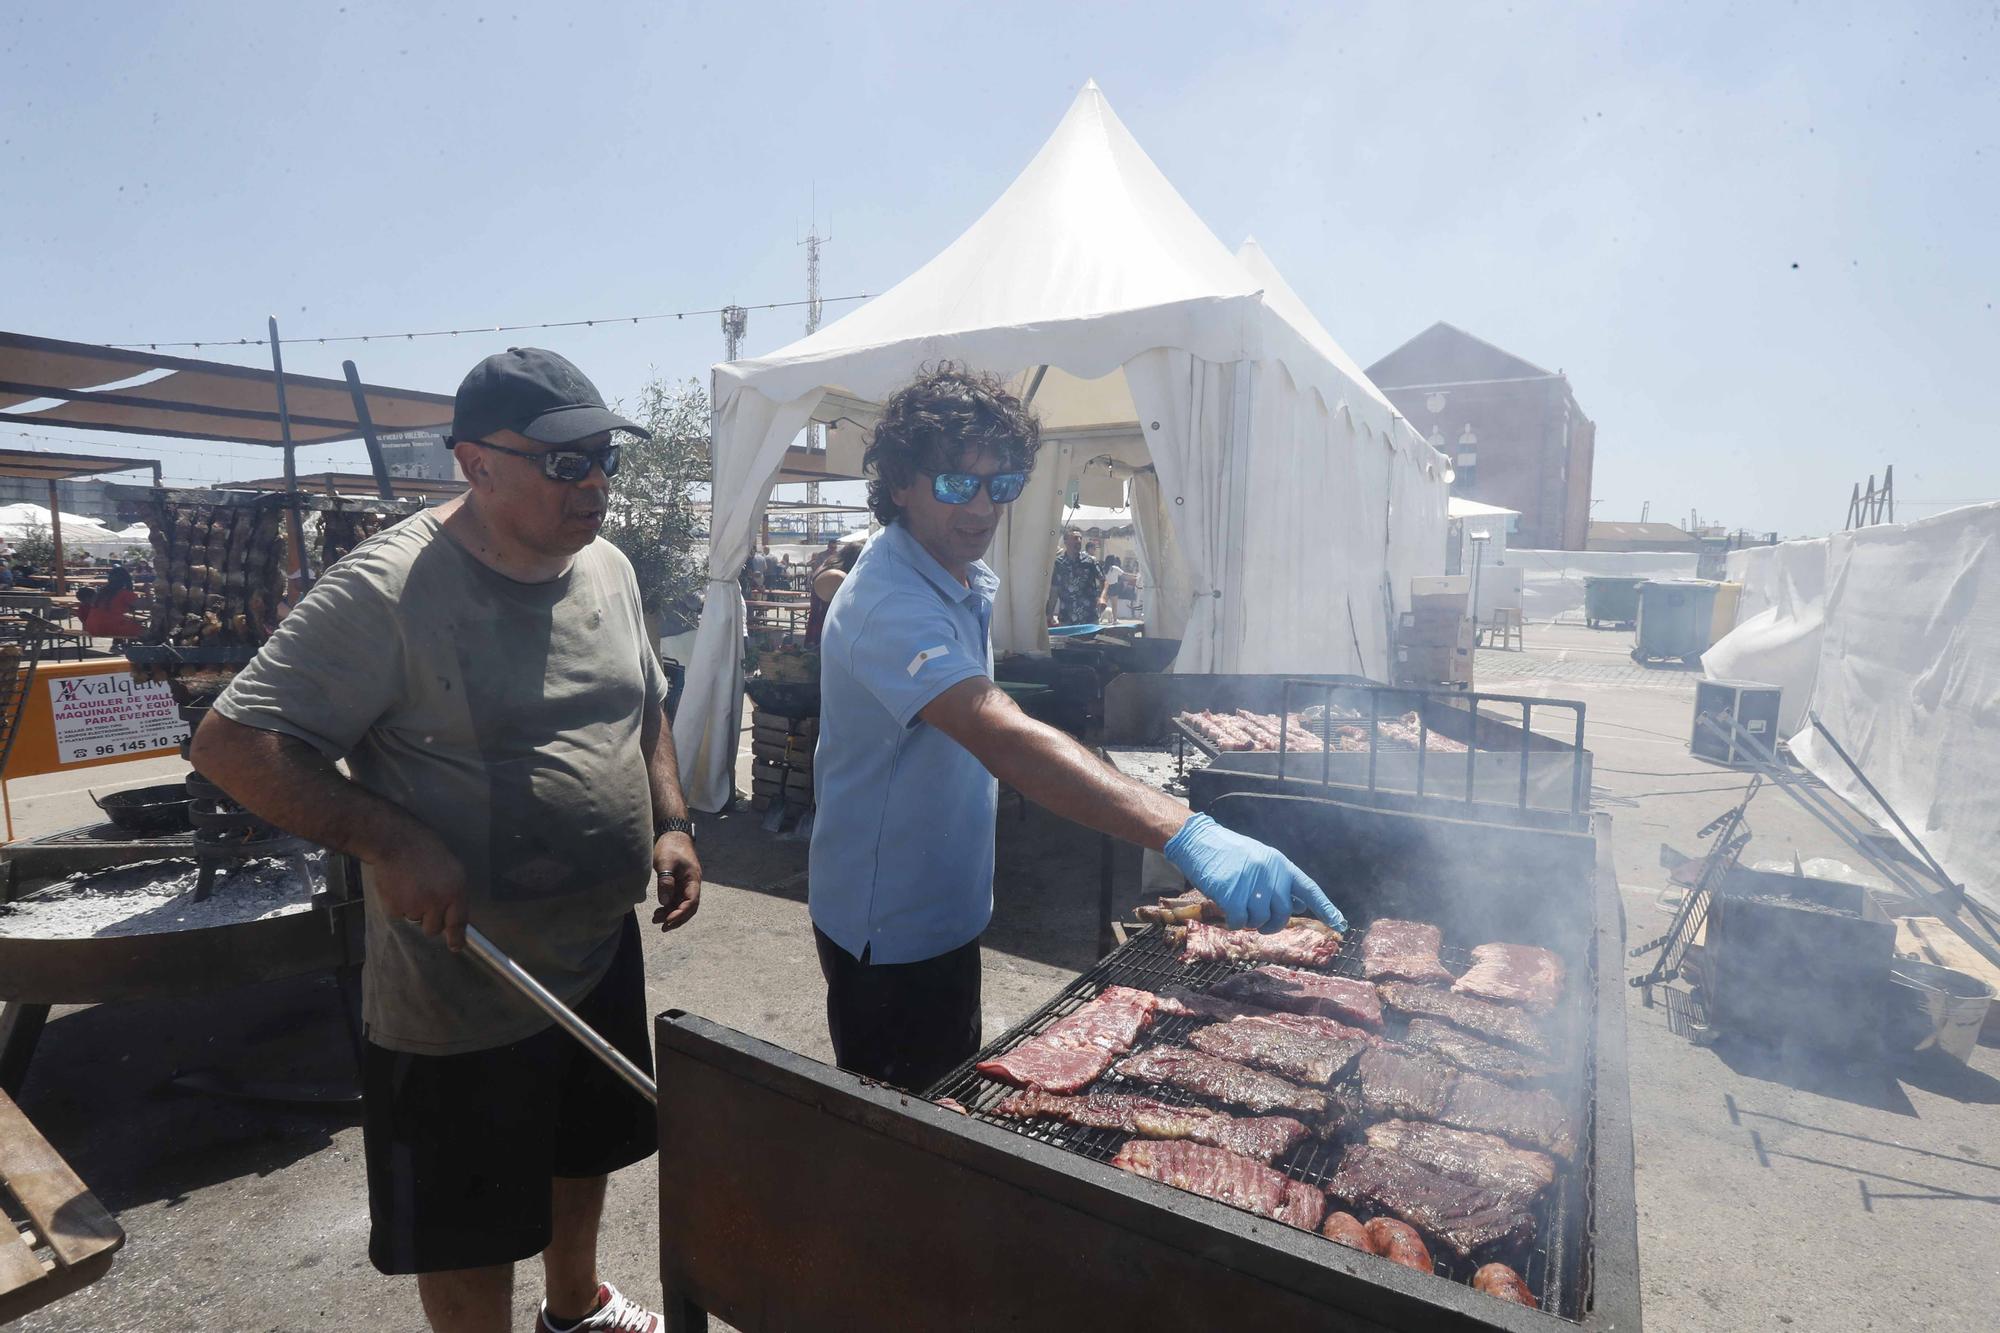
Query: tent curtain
1024	555
747	439
1188	413
1163	571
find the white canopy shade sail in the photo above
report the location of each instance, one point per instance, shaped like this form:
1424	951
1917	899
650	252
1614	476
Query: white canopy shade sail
1280	501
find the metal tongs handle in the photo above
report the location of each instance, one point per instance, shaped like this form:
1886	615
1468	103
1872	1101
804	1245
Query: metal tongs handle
538	995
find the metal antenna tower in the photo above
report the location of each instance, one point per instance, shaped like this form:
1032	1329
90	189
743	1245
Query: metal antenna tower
1871	506
735	319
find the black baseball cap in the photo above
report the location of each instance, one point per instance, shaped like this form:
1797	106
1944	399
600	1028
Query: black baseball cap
537	393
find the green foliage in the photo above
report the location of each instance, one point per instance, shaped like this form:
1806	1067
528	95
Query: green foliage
652	514
36	547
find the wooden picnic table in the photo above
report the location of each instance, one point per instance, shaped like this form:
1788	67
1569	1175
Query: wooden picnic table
70	1237
790	617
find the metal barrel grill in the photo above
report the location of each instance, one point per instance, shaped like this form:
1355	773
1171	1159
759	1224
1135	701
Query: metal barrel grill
796	1196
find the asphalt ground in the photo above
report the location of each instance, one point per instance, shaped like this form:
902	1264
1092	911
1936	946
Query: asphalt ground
1775	1190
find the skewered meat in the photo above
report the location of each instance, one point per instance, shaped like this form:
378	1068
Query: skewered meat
1194	905
1463	1218
1074	1050
1473	1055
1266	1138
1220	1080
1299	992
1304	942
1503	1282
1497	1022
1399	1243
1314	1061
1532	1119
1515	1174
1403	951
1399	1085
1346	1229
1514	974
1225	1177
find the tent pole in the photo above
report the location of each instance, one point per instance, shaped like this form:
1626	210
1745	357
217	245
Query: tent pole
301	568
1034	385
55	535
367	424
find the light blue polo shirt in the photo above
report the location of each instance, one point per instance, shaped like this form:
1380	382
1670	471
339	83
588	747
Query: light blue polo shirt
902	843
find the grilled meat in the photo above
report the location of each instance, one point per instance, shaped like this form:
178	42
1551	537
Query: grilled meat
1265	1138
1304	942
1225	1177
1465	1219
1503	1282
1473	1055
1236	1011
1514	974
1075	1050
1397	1084
1399	1243
1515	1174
1495	1022
1403	951
1220	1080
1314	1061
1194	905
1532	1119
1299	992
1346	1229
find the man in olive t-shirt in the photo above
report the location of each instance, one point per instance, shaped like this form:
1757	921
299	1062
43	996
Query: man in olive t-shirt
484	670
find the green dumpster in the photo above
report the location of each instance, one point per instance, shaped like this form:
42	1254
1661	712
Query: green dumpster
1610	600
1676	617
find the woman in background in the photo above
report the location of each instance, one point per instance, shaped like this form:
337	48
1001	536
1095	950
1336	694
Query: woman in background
825	584
109	614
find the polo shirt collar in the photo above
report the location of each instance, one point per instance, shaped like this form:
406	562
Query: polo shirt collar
985	583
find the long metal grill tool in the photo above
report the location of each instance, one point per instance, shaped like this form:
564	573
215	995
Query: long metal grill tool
1731	831
538	995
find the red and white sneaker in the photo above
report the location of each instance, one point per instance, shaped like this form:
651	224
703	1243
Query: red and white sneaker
615	1313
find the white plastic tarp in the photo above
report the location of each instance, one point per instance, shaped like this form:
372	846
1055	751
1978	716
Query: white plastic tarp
1780	643
1755	568
1299	501
1552	581
1909	682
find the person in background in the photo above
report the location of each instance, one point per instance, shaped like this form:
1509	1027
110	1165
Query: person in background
824	585
108	615
6	575
1122	596
1076	584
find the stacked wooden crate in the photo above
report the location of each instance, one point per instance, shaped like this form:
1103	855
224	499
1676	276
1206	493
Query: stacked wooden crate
781	759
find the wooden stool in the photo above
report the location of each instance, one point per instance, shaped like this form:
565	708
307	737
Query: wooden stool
1504	630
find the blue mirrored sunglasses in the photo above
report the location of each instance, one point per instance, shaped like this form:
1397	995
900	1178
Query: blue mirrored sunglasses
957	488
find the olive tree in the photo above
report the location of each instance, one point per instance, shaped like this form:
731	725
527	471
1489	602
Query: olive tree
652	512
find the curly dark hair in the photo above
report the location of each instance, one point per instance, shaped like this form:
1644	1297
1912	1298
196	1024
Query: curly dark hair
938	421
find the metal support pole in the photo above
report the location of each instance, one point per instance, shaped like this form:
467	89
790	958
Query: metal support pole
55	536
376	464
1882	801
296	524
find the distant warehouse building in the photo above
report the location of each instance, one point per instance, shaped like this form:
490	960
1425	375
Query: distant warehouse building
1514	432
1641	537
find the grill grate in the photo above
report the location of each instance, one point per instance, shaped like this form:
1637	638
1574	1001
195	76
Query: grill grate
1556	1266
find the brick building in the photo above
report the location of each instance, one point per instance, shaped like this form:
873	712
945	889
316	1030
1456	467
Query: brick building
1513	431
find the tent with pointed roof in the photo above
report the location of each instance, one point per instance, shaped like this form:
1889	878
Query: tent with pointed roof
1281	502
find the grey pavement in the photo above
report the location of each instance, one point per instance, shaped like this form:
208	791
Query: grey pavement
1772	1191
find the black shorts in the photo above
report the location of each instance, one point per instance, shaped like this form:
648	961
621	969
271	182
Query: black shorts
905	1024
461	1148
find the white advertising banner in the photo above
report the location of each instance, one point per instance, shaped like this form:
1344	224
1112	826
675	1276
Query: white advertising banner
102	716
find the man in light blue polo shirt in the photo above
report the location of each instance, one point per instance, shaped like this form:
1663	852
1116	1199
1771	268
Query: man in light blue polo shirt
914	733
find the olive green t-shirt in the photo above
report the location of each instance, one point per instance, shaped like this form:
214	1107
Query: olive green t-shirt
504	716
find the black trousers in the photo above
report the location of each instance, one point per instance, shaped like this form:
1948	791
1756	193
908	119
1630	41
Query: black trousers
905	1024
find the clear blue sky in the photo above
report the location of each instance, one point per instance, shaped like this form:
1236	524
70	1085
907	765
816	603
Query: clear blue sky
1760	239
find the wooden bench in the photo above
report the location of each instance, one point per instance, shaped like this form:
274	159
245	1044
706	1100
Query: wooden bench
68	1238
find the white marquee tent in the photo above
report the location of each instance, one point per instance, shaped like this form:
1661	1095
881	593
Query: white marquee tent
1281	503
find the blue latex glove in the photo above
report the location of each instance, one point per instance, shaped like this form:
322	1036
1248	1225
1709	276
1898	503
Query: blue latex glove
1254	885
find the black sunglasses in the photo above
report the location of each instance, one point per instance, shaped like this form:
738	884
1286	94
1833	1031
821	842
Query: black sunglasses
571	465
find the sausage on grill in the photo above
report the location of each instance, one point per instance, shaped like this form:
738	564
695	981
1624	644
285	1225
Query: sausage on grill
1399	1243
1502	1281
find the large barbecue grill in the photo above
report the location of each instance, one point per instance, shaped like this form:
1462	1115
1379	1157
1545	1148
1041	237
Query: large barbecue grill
794	1196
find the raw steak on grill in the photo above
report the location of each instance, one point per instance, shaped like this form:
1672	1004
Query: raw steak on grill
1463	1218
1305	942
1265	1138
1531	1119
1514	974
1496	1022
1403	951
1403	1086
1299	992
1515	1174
1474	1055
1314	1061
1225	1177
1075	1050
1220	1080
